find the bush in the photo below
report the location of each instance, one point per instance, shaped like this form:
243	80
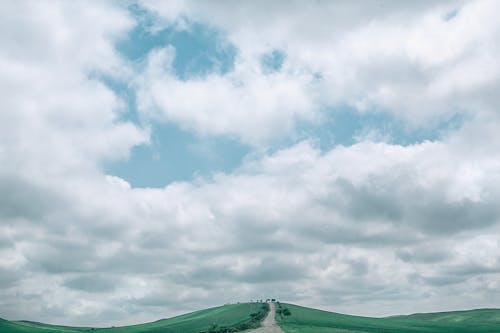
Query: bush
253	322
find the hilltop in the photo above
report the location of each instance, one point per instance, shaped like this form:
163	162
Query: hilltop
291	318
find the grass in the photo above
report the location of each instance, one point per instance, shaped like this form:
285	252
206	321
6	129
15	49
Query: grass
226	318
233	317
307	320
480	316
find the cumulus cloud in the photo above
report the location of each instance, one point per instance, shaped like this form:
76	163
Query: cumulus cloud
416	61
321	222
371	228
244	103
54	116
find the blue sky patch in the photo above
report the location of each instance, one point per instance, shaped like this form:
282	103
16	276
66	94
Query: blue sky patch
174	154
346	126
124	91
177	155
199	49
273	61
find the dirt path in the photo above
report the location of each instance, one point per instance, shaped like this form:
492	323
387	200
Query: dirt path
268	324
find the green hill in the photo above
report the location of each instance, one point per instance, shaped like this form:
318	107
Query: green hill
307	320
479	316
237	317
227	318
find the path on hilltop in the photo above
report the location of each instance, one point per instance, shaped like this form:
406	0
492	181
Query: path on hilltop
269	323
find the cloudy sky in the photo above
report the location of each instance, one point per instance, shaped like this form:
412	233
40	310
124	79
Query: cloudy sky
161	157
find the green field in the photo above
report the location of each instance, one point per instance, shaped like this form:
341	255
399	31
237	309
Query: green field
307	320
232	317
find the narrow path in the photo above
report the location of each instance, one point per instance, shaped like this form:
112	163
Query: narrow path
269	323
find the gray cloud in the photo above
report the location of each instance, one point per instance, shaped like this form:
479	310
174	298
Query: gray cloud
368	236
24	199
92	283
385	200
62	256
457	216
424	254
472	269
5	242
265	270
9	278
274	270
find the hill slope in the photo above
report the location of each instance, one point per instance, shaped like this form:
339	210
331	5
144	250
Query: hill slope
234	316
307	320
479	316
299	320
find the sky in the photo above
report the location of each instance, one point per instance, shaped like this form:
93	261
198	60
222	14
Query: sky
159	157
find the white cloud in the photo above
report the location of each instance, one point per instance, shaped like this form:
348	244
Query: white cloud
244	103
53	115
338	218
399	227
411	60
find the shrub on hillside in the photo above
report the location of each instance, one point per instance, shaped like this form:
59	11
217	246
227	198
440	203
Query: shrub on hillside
253	322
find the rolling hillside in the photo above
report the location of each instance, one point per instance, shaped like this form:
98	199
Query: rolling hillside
307	320
233	317
292	319
479	316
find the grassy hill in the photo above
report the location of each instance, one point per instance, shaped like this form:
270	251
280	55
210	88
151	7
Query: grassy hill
232	317
479	316
307	320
